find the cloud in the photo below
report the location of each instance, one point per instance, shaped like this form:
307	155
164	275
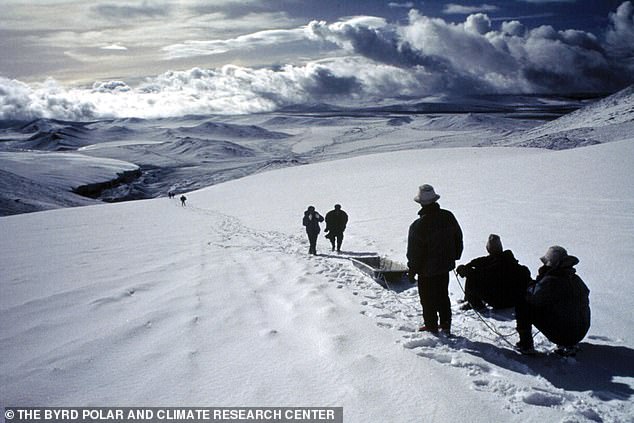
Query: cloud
66	39
457	9
249	41
620	34
475	57
131	10
368	57
406	5
114	46
228	90
22	102
478	24
110	86
513	28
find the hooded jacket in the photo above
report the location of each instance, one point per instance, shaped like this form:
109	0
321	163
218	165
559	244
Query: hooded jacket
434	242
311	221
560	306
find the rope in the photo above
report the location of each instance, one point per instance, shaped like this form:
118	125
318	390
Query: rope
396	297
491	327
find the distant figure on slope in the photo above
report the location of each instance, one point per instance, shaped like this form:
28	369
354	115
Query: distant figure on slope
557	303
183	199
496	279
336	221
434	244
311	220
170	194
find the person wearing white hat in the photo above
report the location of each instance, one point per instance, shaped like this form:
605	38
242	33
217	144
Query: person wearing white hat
433	246
557	304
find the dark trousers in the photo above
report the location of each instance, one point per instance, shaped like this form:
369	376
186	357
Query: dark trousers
312	240
434	298
336	237
473	290
523	317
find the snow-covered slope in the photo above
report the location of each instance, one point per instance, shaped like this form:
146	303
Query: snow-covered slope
36	180
191	152
63	170
218	303
602	121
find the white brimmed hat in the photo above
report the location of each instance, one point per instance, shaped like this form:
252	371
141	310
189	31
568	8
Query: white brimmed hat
426	195
557	256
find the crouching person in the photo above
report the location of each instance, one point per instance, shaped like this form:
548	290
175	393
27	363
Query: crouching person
496	279
556	304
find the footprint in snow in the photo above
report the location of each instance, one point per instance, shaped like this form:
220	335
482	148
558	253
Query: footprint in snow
543	399
428	342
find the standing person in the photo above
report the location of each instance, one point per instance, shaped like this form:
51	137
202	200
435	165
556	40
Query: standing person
183	199
557	304
496	279
434	244
336	221
311	220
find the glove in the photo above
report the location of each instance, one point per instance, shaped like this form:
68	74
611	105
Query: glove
462	270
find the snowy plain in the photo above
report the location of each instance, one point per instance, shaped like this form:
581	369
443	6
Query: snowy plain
149	303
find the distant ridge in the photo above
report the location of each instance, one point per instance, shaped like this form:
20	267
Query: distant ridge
616	108
606	119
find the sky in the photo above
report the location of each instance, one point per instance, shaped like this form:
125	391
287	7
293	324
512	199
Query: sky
261	55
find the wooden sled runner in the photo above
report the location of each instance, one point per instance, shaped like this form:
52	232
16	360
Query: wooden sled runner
386	272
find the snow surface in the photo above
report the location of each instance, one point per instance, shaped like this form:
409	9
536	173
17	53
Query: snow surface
63	170
218	303
602	121
183	154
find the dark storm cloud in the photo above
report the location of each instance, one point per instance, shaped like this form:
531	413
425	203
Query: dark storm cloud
324	82
507	59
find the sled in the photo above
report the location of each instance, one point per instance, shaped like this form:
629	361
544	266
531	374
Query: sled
383	270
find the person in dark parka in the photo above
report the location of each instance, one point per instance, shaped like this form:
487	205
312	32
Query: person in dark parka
311	221
557	304
336	221
434	244
496	279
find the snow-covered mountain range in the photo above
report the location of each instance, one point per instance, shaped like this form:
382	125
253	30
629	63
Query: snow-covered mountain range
48	163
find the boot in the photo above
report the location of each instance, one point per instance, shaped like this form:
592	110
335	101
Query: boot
569	351
445	328
525	345
426	328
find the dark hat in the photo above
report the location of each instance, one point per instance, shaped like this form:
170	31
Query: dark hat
494	244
